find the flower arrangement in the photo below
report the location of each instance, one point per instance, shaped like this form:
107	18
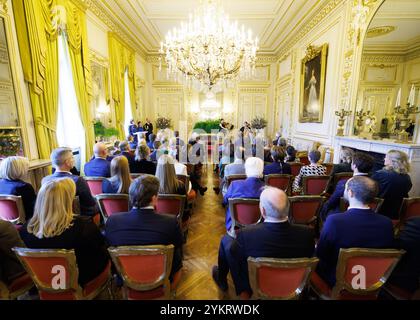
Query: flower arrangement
163	123
258	123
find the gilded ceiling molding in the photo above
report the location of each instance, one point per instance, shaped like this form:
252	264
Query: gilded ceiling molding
413	55
100	13
266	59
304	30
97	58
379	31
382	59
3	4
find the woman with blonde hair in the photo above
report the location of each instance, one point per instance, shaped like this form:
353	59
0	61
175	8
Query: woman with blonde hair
54	226
346	156
120	177
12	172
394	182
165	172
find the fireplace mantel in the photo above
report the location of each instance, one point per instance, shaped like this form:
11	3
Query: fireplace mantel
383	146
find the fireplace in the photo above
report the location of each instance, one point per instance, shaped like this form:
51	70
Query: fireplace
378	149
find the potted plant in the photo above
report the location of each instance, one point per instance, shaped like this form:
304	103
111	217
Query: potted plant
163	123
102	132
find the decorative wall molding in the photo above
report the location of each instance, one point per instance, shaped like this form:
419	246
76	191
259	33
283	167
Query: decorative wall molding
98	58
306	28
382	59
106	18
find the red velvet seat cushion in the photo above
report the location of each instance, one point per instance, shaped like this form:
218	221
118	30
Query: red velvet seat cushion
98	281
320	286
20	282
145	295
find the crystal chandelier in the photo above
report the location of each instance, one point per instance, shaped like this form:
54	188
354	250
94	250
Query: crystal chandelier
209	50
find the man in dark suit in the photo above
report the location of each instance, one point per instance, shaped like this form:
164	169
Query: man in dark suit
62	160
141	225
148	126
361	165
10	267
278	166
275	238
126	152
132	129
98	166
406	275
358	227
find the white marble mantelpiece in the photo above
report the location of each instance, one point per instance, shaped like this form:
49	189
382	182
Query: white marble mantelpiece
383	146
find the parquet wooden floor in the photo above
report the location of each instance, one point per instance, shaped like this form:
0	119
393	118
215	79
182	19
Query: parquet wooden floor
207	226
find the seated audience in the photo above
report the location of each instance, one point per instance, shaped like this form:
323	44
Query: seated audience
126	151
282	143
274	238
406	274
141	225
358	227
10	267
291	154
313	169
99	166
278	166
62	160
116	151
54	226
165	172
150	144
12	172
141	164
361	165
394	182
120	177
346	156
251	187
132	143
156	151
237	166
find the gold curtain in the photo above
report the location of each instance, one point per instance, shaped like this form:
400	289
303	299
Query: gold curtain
79	55
37	38
121	57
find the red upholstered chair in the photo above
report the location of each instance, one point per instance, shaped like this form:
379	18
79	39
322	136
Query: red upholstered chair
305	209
281	181
244	212
304	160
171	204
410	208
378	265
95	184
234	177
295	168
11	209
375	205
282	279
112	203
145	270
41	265
329	167
315	185
16	288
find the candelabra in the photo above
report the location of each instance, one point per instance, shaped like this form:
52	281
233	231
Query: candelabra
404	120
342	114
360	115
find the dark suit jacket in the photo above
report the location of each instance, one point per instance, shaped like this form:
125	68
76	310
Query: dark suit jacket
277	168
341	167
248	188
10	267
356	228
406	275
87	202
86	240
98	168
273	240
129	156
393	187
23	189
333	203
109	186
143	166
145	227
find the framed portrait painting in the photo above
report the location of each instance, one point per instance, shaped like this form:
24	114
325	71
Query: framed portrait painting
312	84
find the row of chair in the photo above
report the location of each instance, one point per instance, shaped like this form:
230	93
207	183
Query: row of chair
145	272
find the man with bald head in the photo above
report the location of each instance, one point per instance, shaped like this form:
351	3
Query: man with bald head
274	238
99	166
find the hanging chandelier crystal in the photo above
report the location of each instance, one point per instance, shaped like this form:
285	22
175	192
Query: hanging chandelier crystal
209	50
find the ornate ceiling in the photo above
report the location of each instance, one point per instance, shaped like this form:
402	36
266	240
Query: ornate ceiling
146	22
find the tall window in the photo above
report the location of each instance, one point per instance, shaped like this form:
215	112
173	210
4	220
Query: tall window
70	130
128	114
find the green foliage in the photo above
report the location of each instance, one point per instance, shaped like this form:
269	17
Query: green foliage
207	125
102	131
258	123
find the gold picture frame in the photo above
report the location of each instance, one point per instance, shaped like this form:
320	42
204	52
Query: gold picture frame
312	84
